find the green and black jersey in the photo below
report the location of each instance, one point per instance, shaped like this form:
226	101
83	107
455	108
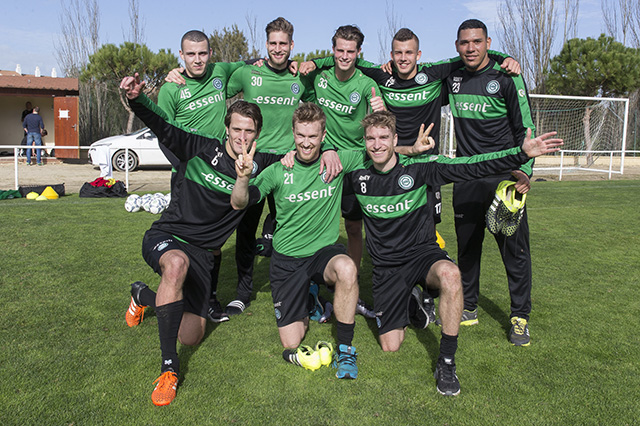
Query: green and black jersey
200	211
200	104
308	208
397	219
490	109
415	101
277	93
345	103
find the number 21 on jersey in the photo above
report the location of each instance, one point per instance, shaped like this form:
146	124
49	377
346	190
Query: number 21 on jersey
288	178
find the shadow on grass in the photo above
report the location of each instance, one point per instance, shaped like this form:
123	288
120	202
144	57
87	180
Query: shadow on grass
186	352
497	313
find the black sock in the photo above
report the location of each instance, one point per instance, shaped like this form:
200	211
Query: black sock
448	346
215	274
345	333
169	318
147	297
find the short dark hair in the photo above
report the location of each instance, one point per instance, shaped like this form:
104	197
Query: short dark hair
245	109
379	119
309	112
471	24
405	34
349	33
280	24
36	109
195	36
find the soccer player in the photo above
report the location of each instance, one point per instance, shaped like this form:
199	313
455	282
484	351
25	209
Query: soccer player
491	113
412	93
345	95
304	241
391	190
277	92
180	246
198	102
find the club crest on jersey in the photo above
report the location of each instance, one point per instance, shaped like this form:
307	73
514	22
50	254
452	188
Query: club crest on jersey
492	87
324	177
278	313
295	88
217	83
405	182
255	168
354	97
521	93
421	78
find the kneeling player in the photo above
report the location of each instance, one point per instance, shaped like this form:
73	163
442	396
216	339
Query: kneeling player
304	241
180	245
401	240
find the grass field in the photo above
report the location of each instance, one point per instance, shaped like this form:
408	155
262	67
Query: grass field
67	356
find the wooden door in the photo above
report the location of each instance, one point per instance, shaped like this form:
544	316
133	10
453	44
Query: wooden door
65	110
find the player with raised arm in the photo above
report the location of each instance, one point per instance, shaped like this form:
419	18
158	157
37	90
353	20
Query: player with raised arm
304	241
180	245
197	100
196	97
391	190
491	112
412	92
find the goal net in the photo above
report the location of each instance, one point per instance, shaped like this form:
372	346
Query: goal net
594	131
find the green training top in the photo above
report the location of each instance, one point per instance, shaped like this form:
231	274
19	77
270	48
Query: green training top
308	208
200	104
277	93
345	103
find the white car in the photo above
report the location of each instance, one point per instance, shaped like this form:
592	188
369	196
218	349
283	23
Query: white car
143	150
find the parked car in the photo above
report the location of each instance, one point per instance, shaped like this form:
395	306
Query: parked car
143	150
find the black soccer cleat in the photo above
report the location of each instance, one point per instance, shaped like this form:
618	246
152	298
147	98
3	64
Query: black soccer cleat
216	313
447	381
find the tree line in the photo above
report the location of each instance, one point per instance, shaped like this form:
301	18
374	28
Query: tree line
602	66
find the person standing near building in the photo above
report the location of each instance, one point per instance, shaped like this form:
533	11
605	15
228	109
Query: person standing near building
33	126
28	109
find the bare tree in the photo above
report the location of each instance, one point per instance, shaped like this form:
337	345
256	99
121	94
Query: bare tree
385	35
79	38
571	8
528	31
622	20
136	30
254	43
79	34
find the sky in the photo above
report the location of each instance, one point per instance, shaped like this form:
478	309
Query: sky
30	30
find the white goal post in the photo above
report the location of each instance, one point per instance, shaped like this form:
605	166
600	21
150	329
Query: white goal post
594	131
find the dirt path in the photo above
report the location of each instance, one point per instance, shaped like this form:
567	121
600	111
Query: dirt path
75	175
152	180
